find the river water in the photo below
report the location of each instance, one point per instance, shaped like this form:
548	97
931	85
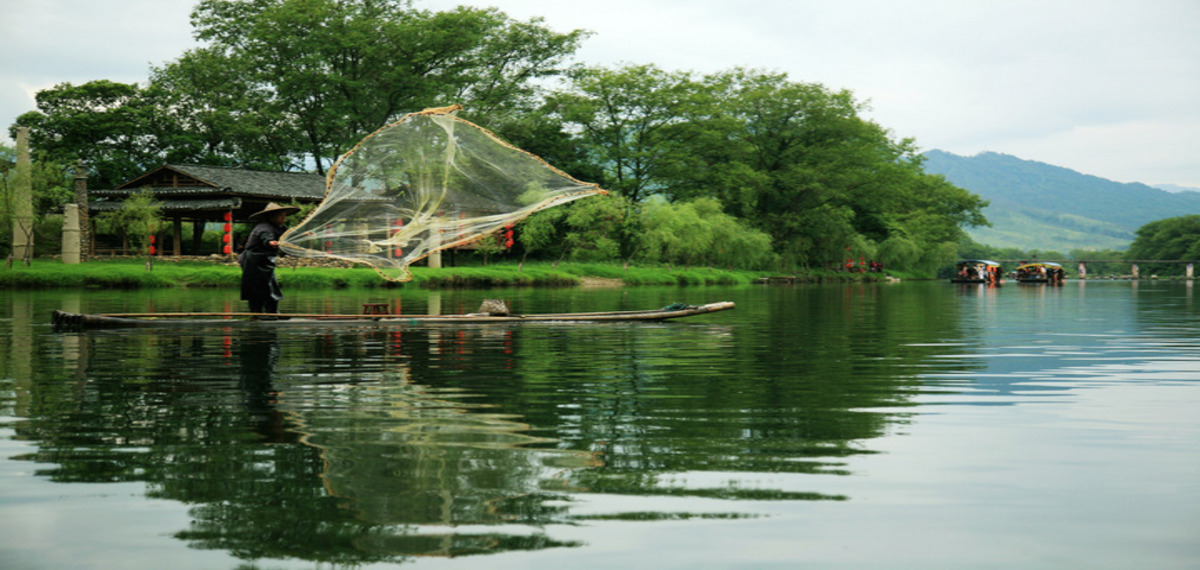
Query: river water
912	425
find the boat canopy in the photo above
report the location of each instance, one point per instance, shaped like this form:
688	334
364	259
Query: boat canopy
1040	264
969	262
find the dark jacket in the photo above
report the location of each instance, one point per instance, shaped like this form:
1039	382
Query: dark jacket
258	263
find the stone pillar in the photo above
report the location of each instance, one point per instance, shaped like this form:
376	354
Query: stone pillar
435	234
1134	271
177	237
1189	271
23	200
85	225
1082	270
70	234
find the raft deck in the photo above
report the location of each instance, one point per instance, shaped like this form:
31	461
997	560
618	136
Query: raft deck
75	321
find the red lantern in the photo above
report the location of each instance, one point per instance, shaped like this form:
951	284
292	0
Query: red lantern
228	249
151	250
398	252
228	216
228	227
226	238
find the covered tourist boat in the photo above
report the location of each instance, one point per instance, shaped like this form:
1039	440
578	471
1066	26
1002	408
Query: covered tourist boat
1040	272
977	271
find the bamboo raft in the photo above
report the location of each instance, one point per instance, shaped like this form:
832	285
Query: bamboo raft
73	321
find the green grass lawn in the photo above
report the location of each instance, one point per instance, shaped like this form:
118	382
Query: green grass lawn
135	273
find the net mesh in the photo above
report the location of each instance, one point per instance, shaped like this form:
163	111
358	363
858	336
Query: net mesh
428	182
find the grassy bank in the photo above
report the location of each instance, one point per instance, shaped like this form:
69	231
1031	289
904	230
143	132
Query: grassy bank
134	273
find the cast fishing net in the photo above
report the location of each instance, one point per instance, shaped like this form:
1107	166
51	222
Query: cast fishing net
428	182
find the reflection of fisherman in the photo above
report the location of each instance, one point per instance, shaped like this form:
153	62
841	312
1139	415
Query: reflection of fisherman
257	355
259	285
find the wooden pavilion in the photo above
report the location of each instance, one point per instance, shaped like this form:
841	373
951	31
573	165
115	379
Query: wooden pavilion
203	194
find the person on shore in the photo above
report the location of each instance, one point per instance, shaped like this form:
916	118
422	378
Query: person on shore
259	285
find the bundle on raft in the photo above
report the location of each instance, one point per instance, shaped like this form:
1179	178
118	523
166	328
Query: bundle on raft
63	320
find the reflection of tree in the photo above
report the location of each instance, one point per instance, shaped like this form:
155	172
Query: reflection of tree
329	455
680	398
351	446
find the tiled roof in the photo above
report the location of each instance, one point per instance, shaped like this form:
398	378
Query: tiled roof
207	180
185	205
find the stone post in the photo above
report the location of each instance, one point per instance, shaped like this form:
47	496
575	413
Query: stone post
435	235
85	224
70	234
1134	270
1190	271
23	200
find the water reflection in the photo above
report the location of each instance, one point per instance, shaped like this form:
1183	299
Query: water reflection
358	445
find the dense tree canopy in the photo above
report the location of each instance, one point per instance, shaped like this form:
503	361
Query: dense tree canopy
330	71
794	160
742	167
1169	239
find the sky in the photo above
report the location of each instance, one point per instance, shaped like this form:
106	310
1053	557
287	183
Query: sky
1109	88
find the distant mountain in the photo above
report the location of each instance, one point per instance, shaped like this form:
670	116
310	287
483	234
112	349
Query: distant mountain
1175	188
1040	206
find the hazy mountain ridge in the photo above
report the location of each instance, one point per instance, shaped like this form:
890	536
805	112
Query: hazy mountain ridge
1041	206
1175	188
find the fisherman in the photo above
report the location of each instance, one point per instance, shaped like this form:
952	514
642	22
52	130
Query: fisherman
259	285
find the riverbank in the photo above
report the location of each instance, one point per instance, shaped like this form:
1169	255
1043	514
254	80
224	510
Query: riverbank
199	273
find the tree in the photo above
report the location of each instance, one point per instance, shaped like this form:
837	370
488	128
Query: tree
1167	239
583	230
340	69
106	125
803	165
210	112
631	122
137	218
699	233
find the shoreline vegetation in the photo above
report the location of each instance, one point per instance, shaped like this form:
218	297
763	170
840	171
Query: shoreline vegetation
136	273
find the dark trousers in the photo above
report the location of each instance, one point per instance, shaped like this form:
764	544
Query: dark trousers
267	305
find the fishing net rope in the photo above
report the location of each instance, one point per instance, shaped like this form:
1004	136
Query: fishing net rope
428	182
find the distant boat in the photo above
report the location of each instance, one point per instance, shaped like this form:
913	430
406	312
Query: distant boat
1040	272
977	271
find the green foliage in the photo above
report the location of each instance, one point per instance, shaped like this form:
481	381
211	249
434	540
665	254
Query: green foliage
109	126
326	72
137	218
794	160
631	121
584	230
741	168
899	251
1168	239
699	233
